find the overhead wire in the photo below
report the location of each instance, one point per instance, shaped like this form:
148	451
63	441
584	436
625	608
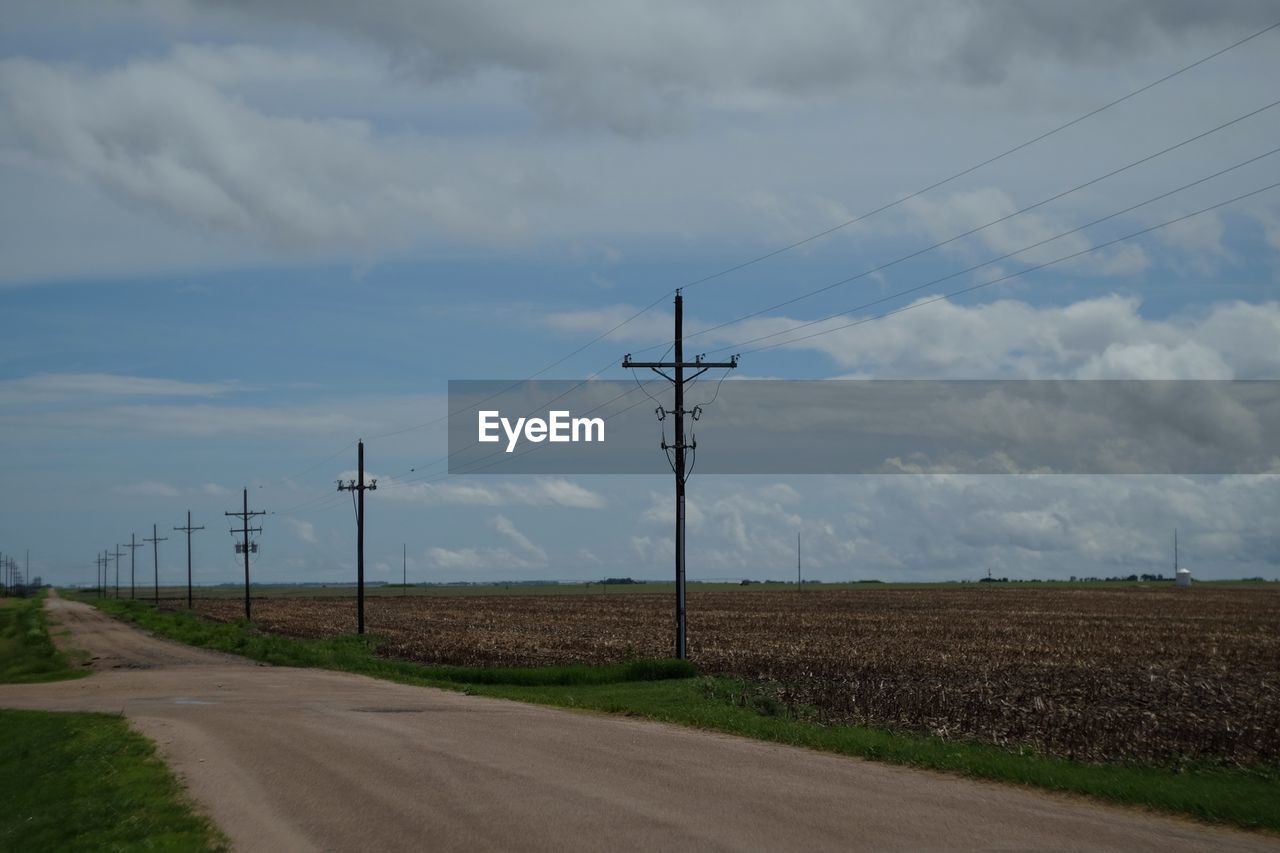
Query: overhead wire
971	169
826	232
979	228
998	280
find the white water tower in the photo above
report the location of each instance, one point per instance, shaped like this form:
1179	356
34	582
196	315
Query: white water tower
1181	576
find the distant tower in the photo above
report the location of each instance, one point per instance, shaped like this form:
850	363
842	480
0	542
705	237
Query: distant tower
1181	577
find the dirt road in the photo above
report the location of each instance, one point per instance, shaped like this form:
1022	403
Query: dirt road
292	759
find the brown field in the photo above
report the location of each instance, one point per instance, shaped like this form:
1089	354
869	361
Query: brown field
1146	674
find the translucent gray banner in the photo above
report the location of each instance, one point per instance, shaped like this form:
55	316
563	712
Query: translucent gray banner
867	427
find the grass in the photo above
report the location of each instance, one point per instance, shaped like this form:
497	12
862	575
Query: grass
664	690
85	782
80	781
27	655
353	653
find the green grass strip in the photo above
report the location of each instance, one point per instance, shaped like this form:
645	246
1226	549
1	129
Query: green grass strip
1243	797
27	655
85	782
353	653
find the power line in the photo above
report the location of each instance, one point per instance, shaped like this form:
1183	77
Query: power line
1041	203
986	162
1002	278
854	220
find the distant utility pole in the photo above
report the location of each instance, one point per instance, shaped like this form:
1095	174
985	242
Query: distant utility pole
188	530
245	515
678	380
117	554
155	541
359	488
102	570
133	547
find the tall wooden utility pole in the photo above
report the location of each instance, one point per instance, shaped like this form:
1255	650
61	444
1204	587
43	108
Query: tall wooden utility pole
155	541
678	380
359	488
245	515
133	547
117	554
188	530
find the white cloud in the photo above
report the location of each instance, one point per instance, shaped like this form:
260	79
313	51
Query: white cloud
1106	337
539	492
958	213
638	67
215	490
504	526
51	387
303	530
149	489
161	135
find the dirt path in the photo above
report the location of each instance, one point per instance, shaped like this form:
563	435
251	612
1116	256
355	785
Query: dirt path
294	759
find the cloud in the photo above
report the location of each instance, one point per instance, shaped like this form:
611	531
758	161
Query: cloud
597	321
161	135
639	68
949	527
474	559
52	387
503	525
214	490
148	489
958	213
303	530
541	492
1101	338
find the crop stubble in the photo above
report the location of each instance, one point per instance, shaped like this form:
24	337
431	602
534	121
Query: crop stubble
1147	674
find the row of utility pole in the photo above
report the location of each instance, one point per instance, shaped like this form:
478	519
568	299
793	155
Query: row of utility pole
13	580
105	557
677	455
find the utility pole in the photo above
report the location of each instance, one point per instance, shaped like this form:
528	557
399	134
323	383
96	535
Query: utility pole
188	529
678	380
102	570
155	541
359	488
245	515
117	554
133	547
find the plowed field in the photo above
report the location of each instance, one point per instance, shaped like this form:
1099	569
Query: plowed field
1148	674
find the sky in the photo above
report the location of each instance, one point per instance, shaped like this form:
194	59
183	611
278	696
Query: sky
237	237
